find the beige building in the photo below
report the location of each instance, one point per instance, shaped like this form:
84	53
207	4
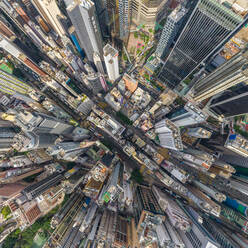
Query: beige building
50	11
147	12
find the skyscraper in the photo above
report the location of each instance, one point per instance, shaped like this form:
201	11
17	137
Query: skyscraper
210	26
83	17
198	236
199	132
176	215
147	12
187	115
40	123
31	141
7	135
68	150
231	102
145	203
237	144
124	6
110	55
169	135
170	31
231	73
221	234
115	184
98	63
36	189
50	11
75	40
119	15
94	81
102	14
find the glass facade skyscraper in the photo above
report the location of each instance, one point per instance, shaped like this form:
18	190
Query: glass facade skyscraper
231	102
231	73
210	26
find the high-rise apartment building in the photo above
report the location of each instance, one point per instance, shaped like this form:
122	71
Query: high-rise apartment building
98	63
124	15
83	17
231	73
15	175
169	135
209	26
51	13
198	236
94	81
221	234
102	14
231	102
110	55
106	231
199	132
122	236
218	196
41	123
119	17
187	115
7	135
85	106
145	203
36	189
88	217
115	184
31	141
68	150
237	144
200	157
170	31
147	12
176	215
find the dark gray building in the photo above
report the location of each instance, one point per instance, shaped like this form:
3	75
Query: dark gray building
102	14
36	189
221	234
198	236
6	139
231	102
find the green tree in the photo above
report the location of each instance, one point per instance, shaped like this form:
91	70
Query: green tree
124	57
240	131
24	239
135	34
136	176
11	240
18	73
124	118
5	211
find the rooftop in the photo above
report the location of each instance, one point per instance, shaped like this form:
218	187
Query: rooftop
109	50
238	144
